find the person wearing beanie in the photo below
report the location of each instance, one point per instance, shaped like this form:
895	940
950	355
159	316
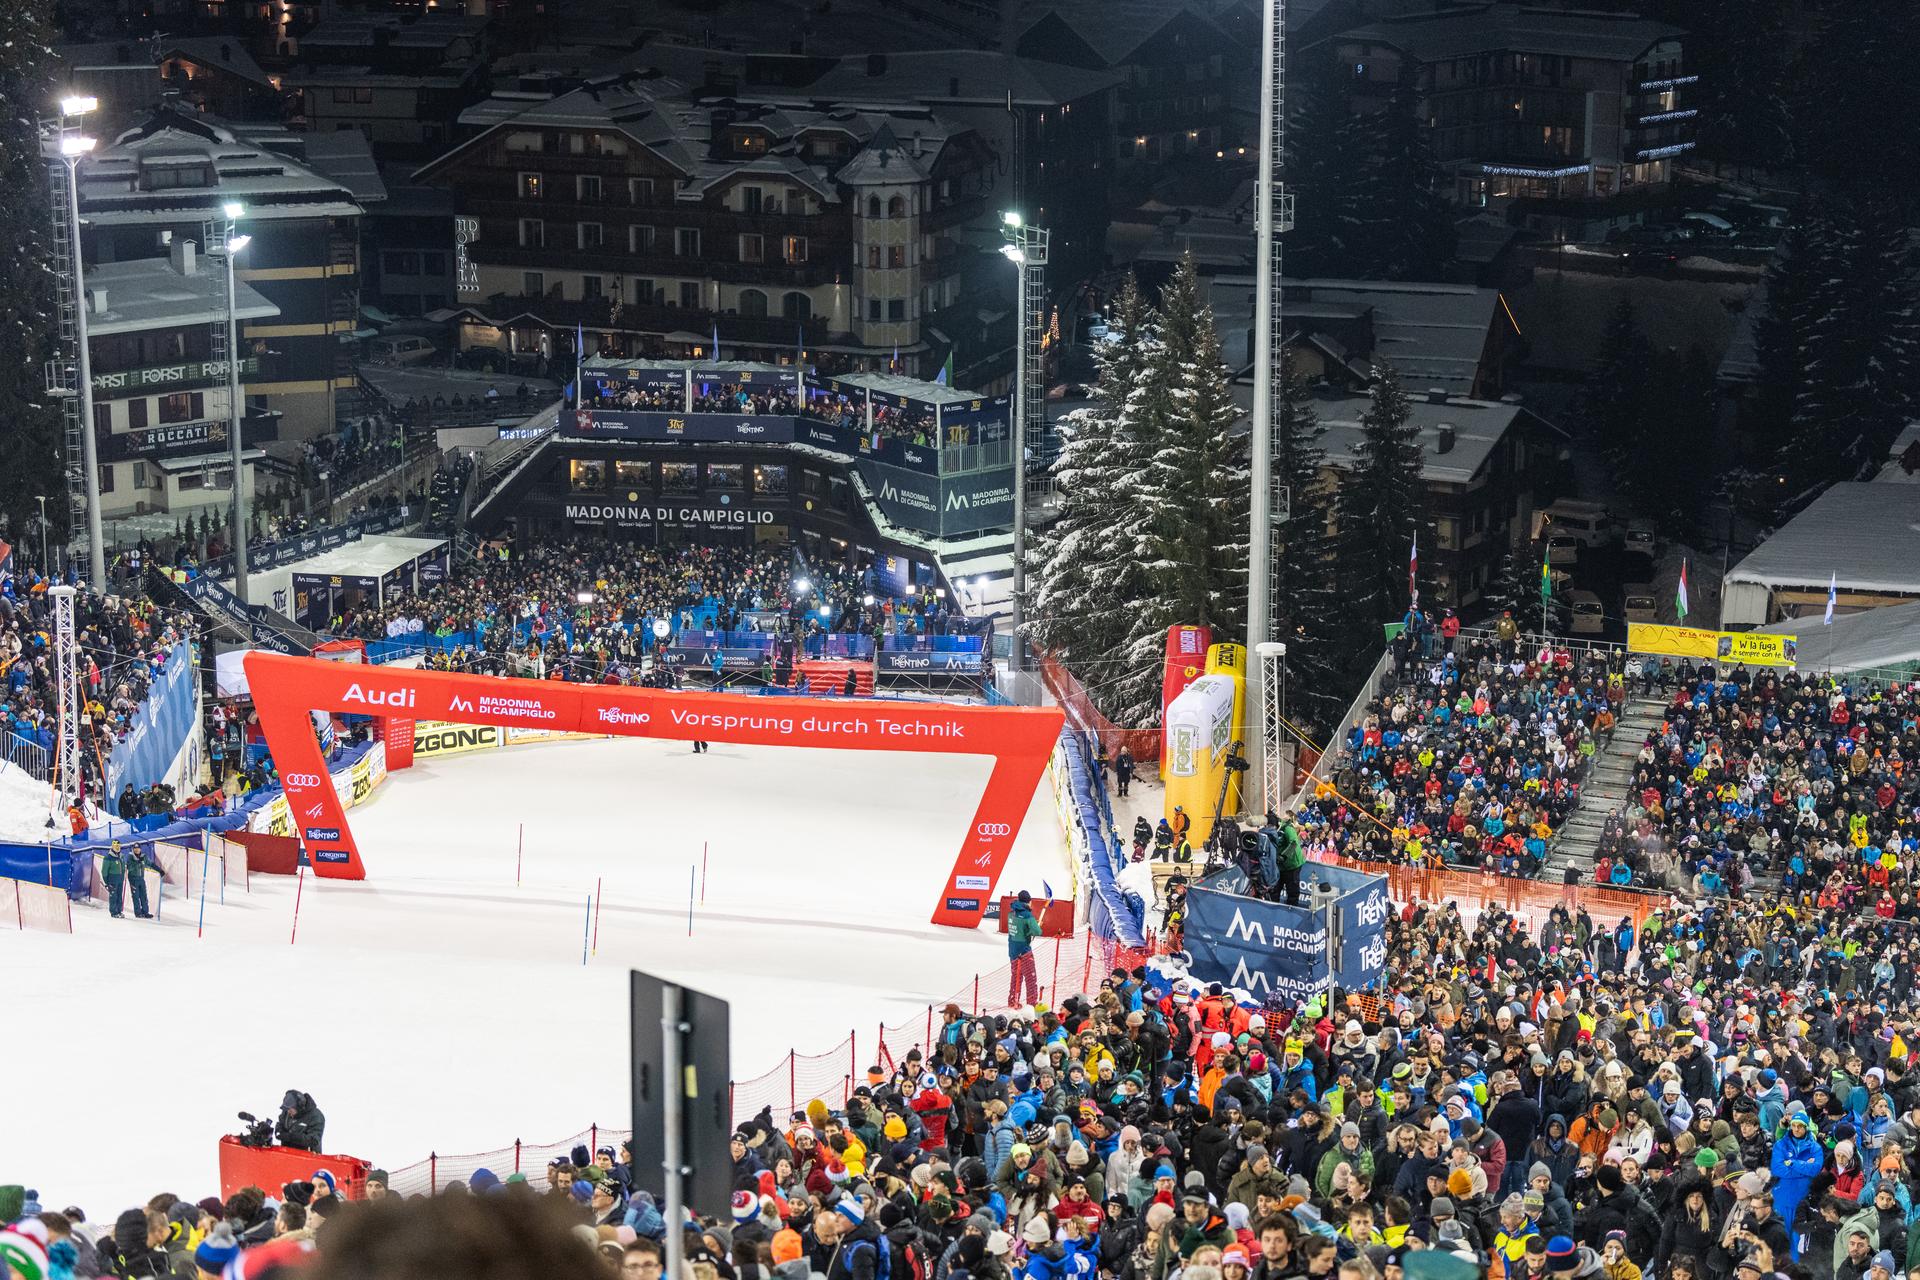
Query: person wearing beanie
1347	1151
216	1251
1255	1178
23	1248
482	1181
856	1250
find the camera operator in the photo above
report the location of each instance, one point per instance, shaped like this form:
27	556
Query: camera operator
301	1122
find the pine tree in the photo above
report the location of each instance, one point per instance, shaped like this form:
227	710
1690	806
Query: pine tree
1614	402
1408	230
1085	565
29	420
1516	590
1742	50
1323	169
1308	609
1382	506
1855	89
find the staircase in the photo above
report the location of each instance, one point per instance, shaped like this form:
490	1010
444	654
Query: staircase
1604	793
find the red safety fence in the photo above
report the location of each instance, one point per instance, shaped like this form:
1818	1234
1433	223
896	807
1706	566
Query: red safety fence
1064	967
1084	716
1529	900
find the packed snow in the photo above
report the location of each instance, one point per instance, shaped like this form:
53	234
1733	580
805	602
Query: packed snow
24	804
440	1006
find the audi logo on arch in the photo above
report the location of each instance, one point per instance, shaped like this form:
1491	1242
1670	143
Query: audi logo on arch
994	829
300	779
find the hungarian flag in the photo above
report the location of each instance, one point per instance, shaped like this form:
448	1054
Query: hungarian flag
1680	594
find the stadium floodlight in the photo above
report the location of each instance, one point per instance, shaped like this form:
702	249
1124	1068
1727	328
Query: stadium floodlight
76	144
802	585
1010	218
584	597
826	611
1014	253
237	243
78	105
912	589
233	209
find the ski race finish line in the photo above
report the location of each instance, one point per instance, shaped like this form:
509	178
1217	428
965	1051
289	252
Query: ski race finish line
286	689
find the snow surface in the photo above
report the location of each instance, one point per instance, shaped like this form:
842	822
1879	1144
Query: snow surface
24	804
438	1006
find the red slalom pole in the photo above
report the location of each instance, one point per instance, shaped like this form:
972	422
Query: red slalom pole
520	853
596	915
703	871
298	889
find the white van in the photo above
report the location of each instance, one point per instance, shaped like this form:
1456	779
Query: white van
1641	604
1563	549
405	349
1589	619
1586	522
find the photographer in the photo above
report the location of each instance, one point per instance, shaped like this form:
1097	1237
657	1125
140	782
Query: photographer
301	1123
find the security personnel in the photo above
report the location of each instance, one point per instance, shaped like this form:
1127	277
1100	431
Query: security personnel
114	867
137	867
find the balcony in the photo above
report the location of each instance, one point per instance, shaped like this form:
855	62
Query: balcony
342	251
611	260
558	313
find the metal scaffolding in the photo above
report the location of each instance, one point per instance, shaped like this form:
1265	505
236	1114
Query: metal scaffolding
66	657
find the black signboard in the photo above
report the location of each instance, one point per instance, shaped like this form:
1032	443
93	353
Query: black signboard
698	1090
982	500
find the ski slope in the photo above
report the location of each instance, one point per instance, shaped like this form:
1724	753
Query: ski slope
441	1006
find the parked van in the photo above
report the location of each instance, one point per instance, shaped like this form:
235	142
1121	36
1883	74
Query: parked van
1640	538
1563	549
1586	522
1641	604
1589	619
405	349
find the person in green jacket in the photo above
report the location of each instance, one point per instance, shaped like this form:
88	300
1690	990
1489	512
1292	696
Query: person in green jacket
114	867
1022	929
137	867
1292	858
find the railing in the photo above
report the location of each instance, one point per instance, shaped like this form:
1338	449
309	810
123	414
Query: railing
28	756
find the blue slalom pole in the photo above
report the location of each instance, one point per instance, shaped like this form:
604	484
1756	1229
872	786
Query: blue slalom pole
204	859
584	926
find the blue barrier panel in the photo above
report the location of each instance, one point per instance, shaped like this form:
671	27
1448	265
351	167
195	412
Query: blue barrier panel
1111	913
1267	948
161	727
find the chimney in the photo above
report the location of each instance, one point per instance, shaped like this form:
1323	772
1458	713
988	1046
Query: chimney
1447	436
876	64
1513	397
1436	395
183	256
97	299
953	86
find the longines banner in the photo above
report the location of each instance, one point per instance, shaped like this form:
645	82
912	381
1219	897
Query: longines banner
286	691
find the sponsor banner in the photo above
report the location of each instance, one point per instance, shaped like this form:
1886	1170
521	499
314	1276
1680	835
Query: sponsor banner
982	500
1750	647
517	735
677	515
614	424
907	498
396	735
320	833
438	738
930	663
963	904
131	381
162	442
1263	948
980	883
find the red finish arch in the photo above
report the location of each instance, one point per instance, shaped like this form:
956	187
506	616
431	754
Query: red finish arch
286	689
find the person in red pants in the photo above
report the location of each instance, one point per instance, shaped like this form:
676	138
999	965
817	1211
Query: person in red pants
1022	929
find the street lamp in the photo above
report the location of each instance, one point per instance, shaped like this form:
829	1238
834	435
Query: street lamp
46	569
1026	249
230	244
72	147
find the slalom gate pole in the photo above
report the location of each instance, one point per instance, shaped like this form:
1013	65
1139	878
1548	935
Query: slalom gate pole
298	889
689	901
703	871
596	914
201	932
586	924
520	853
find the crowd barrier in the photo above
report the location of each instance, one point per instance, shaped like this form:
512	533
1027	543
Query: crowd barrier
40	907
162	727
1086	816
1528	900
1084	716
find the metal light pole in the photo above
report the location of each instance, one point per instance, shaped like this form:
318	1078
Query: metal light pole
46	557
231	244
72	147
1274	210
1026	248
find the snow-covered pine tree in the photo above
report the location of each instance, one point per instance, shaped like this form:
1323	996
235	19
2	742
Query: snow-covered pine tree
1308	609
1382	505
1084	566
31	431
1410	229
1324	161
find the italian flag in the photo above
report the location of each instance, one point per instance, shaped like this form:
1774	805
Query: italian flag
1680	594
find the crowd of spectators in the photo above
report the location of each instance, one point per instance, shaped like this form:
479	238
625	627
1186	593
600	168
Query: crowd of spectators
1470	754
1777	777
123	644
1721	1091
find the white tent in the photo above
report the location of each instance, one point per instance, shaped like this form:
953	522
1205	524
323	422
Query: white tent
1872	638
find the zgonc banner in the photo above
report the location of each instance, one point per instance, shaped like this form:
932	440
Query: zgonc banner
1751	647
285	690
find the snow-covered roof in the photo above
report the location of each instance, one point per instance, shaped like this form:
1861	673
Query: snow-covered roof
1868	534
1885	637
152	293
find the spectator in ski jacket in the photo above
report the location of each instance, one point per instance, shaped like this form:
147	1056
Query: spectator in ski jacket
1797	1160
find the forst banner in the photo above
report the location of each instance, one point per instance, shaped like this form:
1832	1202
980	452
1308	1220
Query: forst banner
1019	739
1752	648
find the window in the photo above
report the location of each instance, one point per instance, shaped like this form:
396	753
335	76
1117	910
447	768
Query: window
140	476
753	302
433	264
749	144
183	406
728	477
401	264
586	475
751	249
873	206
103	416
679	477
590	288
690	294
592	235
586	188
106	477
532	284
770	478
752	199
634	475
794	249
533	233
897	309
532	186
640	190
897	207
873	308
343	95
796	306
686	242
639	239
645	292
136	414
526	140
896	255
363	96
873	256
